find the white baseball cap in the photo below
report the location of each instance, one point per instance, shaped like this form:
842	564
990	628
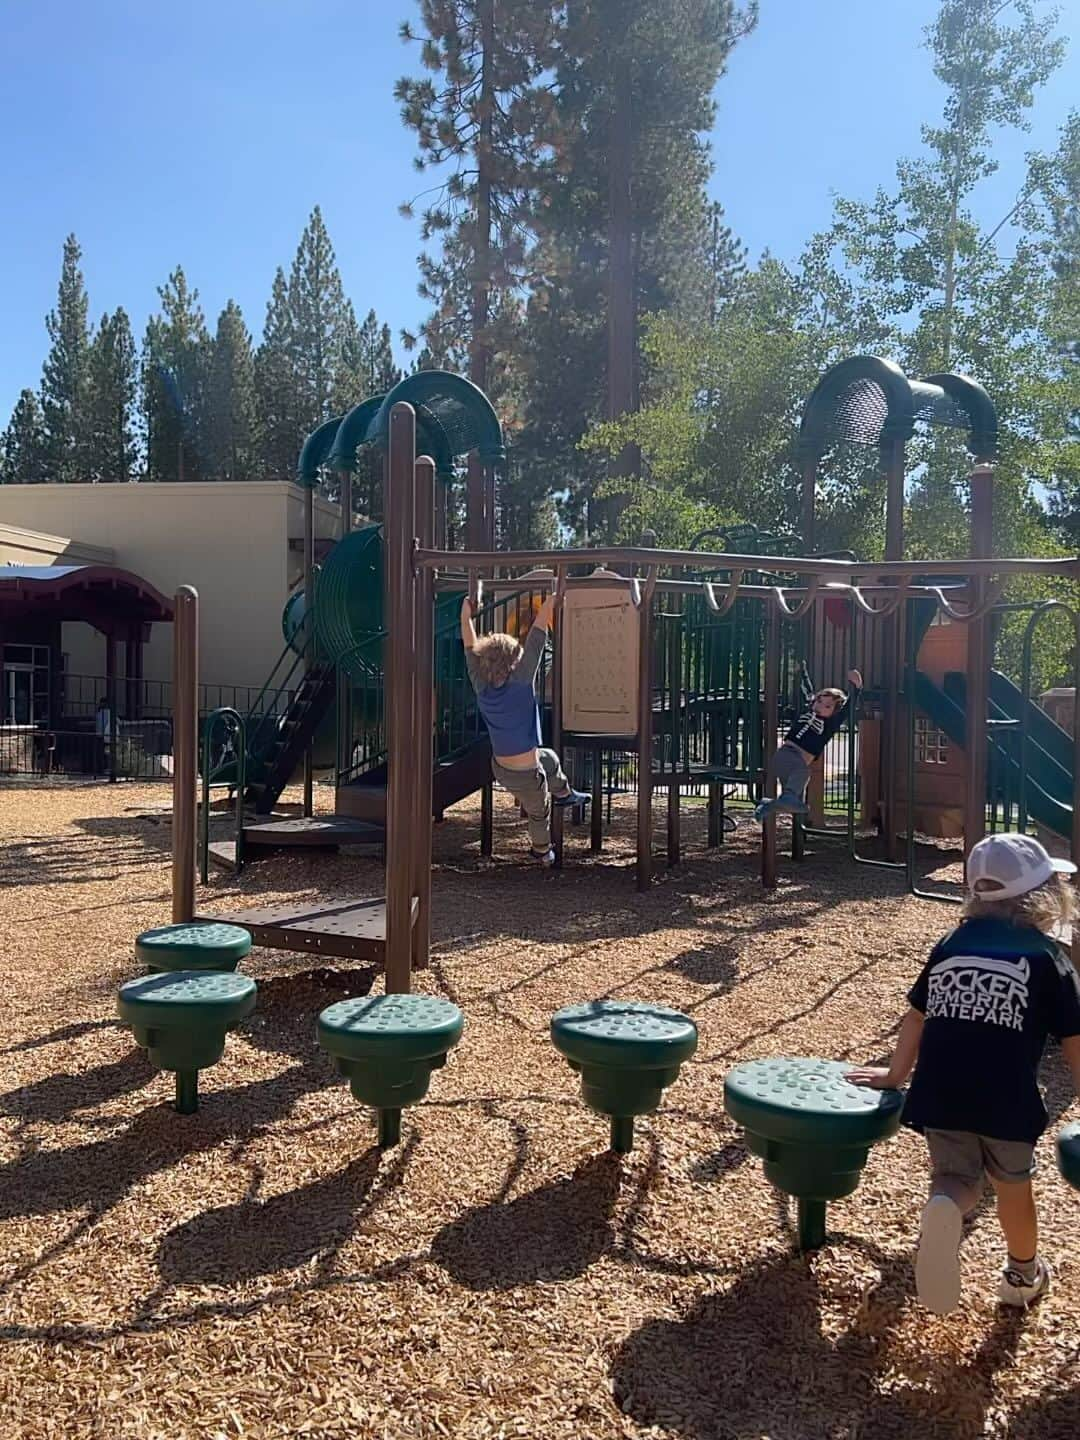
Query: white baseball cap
1004	866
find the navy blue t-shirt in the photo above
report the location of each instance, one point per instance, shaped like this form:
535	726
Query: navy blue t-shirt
991	994
510	711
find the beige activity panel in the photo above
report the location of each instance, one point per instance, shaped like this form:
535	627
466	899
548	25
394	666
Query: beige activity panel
600	659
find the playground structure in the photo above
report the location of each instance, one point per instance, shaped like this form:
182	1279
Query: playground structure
679	658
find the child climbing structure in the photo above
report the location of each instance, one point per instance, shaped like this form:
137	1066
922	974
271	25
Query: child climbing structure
678	658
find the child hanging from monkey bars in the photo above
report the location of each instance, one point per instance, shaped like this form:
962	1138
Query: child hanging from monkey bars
503	674
823	714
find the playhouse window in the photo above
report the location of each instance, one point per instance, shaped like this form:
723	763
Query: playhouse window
931	744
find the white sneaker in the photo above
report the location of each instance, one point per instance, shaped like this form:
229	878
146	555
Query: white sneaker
546	858
1015	1290
937	1267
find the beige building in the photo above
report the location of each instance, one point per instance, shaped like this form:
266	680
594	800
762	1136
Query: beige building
239	543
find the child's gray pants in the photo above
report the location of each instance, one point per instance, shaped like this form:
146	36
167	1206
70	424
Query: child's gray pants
532	789
794	775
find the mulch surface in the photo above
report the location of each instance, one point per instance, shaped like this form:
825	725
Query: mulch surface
260	1270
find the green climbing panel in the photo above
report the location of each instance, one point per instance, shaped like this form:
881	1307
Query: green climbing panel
811	1127
627	1053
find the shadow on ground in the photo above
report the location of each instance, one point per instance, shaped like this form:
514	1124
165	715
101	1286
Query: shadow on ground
553	1233
57	1096
757	1360
234	1243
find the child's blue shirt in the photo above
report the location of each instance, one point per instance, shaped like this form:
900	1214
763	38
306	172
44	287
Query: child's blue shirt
510	711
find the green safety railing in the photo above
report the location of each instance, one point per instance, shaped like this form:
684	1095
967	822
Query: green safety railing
234	724
458	723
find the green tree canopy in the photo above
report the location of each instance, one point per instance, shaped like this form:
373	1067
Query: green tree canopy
231	400
65	376
24	458
112	392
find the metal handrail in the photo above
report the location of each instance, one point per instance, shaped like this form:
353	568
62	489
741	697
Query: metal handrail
233	718
1042	609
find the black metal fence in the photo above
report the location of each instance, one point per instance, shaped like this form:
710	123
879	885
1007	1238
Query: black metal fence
137	744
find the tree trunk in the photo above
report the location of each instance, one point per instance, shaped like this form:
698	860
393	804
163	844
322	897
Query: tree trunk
622	319
479	349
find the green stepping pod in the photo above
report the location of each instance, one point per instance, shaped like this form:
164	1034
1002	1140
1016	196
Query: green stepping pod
202	945
1068	1150
386	1046
811	1127
627	1053
181	1020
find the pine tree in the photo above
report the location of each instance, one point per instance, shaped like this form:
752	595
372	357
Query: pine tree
231	400
483	115
112	392
377	369
280	433
64	377
23	448
175	378
367	360
318	322
624	224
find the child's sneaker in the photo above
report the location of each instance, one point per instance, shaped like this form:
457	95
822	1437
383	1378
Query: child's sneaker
546	858
1016	1289
761	809
570	800
937	1266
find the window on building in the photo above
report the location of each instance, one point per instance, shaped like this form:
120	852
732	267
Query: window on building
24	693
931	744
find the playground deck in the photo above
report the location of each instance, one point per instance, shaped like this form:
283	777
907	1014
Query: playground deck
349	929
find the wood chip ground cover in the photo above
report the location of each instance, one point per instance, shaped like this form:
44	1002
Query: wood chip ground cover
259	1270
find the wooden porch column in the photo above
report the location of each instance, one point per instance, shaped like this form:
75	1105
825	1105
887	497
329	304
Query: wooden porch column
110	693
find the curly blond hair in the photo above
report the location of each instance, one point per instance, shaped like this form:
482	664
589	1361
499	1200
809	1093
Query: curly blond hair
494	656
1044	908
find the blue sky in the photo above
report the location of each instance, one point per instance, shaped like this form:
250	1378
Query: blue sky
204	133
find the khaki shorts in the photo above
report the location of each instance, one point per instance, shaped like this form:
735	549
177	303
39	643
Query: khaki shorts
962	1155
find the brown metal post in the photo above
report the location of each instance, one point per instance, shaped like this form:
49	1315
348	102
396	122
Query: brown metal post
645	732
185	747
769	713
402	745
976	739
309	609
424	708
557	815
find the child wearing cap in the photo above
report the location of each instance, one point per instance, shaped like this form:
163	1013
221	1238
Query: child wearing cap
980	1013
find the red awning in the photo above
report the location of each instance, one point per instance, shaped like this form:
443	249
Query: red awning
99	595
